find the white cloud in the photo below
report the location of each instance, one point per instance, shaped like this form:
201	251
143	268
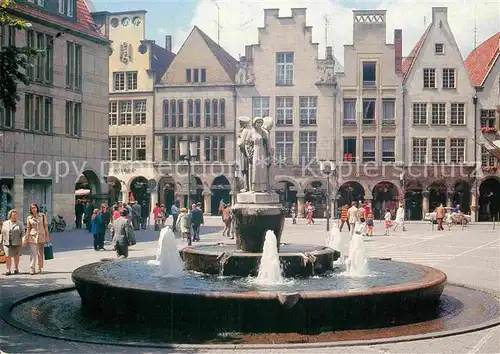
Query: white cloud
240	19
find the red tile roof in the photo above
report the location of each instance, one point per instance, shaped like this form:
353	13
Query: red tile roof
480	61
84	22
408	62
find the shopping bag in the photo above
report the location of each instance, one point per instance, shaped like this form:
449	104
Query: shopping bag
48	253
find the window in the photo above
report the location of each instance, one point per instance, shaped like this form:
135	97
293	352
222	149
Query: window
420	113
308	107
196	75
388	154
284	110
125	80
140	112
166	113
131	80
139	148
369	74
449	78
307	147
66	7
113	113
487	159
8	34
6	118
368	111
429	78
208	115
457	150
350	149
203	75
125	148
488	118
74	66
180	113
125	112
170	148
215	148
284	148
113	148
260	106
197	109
457	114
438	114
284	68
388	111
190	113
188	75
419	152
368	149
438	152
439	48
173	113
41	69
38	114
350	112
222	112
215	113
73	118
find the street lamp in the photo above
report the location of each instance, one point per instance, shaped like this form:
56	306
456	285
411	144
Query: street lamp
188	150
327	169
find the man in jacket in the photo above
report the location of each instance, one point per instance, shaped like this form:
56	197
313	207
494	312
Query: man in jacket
196	220
136	215
122	234
353	217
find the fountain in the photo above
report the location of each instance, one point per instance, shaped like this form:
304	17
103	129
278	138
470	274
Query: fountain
168	259
357	261
337	241
215	295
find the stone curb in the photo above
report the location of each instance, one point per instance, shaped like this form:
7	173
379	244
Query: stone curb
6	309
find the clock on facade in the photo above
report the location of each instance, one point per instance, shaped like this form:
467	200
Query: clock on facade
125	21
114	22
136	21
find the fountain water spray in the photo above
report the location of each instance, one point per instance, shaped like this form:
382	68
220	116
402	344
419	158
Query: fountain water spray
270	267
167	255
336	241
357	263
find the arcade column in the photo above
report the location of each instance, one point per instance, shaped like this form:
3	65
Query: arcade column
125	194
473	205
181	198
153	199
207	202
425	202
301	197
449	197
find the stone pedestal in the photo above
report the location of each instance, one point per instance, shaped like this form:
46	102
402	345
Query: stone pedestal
254	214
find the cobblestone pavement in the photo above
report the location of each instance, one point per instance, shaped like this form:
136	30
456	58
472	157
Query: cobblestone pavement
469	256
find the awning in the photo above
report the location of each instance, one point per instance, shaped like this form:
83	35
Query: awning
82	192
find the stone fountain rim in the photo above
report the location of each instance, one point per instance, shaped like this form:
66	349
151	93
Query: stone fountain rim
193	250
6	308
432	278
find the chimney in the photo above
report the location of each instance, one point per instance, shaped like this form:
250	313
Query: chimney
329	53
398	50
168	43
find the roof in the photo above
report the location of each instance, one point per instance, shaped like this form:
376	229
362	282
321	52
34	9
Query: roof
225	59
84	23
160	60
480	61
410	59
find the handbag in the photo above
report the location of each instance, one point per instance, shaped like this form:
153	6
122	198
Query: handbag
48	253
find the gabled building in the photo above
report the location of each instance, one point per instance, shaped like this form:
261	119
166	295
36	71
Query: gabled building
483	64
195	100
439	122
135	66
283	77
56	141
368	128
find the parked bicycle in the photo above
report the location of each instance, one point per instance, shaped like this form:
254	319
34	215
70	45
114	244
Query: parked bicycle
58	224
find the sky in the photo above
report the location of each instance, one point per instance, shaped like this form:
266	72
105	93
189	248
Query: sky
239	19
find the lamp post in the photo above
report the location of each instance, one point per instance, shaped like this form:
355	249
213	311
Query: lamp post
327	169
188	150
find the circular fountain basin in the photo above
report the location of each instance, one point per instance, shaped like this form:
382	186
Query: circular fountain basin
131	291
226	260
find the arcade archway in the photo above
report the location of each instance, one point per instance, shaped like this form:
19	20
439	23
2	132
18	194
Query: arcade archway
461	196
87	187
221	189
114	190
139	192
489	200
196	192
437	195
287	192
315	193
350	192
166	191
385	195
414	200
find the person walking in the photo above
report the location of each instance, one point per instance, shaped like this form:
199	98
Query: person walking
136	216
12	241
293	211
89	209
174	211
387	220
196	221
440	211
362	219
353	217
183	225
158	217
79	210
106	219
37	235
96	226
369	224
344	218
122	234
226	219
400	218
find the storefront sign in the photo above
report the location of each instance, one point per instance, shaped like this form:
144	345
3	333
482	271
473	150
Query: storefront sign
124	170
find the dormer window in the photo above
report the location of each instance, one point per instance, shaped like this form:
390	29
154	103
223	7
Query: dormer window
67	7
38	2
196	75
439	48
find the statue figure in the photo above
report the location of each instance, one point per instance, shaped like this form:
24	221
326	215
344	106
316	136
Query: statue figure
268	126
242	155
244	76
326	72
125	52
258	150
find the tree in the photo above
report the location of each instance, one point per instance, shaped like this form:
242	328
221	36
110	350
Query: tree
14	61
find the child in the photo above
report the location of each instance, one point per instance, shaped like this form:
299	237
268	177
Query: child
369	224
388	223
